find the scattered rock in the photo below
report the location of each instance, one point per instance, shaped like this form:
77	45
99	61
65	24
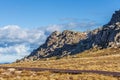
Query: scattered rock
18	72
6	73
11	69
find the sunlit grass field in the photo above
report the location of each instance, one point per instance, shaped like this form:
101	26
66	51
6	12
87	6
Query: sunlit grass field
45	75
94	59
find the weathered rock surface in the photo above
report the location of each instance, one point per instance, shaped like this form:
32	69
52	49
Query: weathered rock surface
69	42
58	44
115	18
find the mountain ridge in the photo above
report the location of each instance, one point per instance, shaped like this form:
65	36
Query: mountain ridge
69	42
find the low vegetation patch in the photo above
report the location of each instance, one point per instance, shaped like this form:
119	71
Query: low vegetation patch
105	60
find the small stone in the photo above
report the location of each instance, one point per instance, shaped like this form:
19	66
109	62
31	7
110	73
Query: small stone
6	73
11	69
18	72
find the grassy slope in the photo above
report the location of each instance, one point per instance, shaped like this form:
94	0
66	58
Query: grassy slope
106	59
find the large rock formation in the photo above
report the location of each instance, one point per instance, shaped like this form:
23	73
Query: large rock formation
69	42
58	44
115	18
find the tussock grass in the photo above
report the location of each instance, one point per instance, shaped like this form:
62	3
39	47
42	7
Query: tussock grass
45	75
105	59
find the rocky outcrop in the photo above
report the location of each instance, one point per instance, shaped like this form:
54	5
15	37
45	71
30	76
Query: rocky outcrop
115	18
107	36
58	44
68	42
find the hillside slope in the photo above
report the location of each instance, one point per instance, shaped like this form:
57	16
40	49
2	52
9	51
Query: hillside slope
93	59
70	42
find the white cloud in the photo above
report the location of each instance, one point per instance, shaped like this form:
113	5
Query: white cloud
54	27
13	52
16	42
68	19
8	58
79	26
13	33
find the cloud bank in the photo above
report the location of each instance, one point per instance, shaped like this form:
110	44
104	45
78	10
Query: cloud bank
17	42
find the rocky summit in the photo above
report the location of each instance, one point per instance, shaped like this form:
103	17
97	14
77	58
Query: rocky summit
69	42
115	18
58	44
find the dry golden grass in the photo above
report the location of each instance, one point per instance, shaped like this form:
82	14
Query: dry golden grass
106	59
45	75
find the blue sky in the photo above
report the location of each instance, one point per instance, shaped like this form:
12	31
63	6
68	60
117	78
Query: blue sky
25	24
37	13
